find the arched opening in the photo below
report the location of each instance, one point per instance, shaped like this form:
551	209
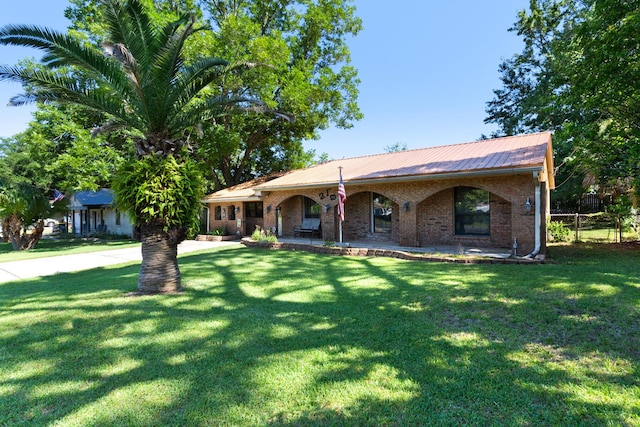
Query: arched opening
370	216
297	213
464	215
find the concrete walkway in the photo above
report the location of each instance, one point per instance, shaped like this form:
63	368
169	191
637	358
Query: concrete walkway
16	270
442	249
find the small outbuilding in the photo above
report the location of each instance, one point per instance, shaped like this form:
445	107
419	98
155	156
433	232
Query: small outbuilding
94	212
488	193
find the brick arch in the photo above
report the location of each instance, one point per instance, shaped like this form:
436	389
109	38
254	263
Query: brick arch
436	189
435	220
290	205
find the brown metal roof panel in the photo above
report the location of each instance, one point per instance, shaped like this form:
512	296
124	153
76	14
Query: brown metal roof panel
498	153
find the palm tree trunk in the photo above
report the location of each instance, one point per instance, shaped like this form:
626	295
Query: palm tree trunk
159	272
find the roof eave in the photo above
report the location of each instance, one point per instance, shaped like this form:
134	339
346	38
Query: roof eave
412	178
231	199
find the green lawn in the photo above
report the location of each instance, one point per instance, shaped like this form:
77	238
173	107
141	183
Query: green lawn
289	338
48	247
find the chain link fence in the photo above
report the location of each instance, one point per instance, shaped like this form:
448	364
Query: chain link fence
598	227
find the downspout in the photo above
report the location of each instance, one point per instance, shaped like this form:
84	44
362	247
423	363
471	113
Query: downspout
538	217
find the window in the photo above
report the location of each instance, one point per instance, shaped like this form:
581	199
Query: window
311	208
118	217
218	213
232	212
382	209
471	211
253	210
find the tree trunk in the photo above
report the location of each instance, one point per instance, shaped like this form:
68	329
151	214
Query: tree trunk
15	233
159	272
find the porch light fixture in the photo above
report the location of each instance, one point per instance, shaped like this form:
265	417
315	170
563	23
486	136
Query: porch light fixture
405	206
238	210
326	208
268	208
527	205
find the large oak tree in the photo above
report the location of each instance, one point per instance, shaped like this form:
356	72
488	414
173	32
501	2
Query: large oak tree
309	76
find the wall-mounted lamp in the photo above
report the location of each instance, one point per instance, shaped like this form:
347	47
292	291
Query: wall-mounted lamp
405	206
527	205
326	208
238	209
268	208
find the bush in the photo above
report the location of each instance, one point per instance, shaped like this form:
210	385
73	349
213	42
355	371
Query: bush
160	190
260	235
558	231
220	231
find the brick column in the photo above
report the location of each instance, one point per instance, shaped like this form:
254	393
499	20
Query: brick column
327	219
407	224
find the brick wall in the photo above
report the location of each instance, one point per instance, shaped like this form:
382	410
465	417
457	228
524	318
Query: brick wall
429	219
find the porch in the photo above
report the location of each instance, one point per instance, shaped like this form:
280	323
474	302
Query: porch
445	250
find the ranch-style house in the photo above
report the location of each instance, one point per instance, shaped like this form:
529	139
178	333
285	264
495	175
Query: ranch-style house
489	193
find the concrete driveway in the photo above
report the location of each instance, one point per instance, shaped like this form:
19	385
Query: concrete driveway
16	270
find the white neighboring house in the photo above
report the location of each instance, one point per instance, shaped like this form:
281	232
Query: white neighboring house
95	212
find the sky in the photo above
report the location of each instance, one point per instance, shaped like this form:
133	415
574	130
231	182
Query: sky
427	70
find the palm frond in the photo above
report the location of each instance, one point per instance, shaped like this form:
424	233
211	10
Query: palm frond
64	50
53	86
142	81
199	111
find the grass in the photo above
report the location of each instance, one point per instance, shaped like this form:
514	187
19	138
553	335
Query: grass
604	235
48	247
289	338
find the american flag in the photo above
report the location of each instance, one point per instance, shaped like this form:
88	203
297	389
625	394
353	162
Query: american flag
342	197
57	195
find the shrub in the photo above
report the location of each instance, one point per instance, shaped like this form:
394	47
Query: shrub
260	235
220	231
558	231
161	190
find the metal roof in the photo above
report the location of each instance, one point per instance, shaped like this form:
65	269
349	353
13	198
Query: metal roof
498	156
104	197
514	154
243	192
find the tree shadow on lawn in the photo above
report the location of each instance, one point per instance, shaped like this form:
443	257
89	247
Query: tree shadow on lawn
282	338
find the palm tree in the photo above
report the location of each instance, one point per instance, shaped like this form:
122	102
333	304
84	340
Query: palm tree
141	82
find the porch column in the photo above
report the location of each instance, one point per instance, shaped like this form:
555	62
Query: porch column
328	216
269	217
407	224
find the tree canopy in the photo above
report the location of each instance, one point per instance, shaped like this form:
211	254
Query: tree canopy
577	76
306	81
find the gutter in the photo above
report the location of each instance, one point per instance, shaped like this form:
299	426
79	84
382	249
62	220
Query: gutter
538	222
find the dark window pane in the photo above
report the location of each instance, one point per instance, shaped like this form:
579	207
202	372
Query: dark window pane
472	211
382	209
311	208
253	209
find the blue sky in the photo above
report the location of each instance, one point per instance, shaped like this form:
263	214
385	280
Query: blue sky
427	68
